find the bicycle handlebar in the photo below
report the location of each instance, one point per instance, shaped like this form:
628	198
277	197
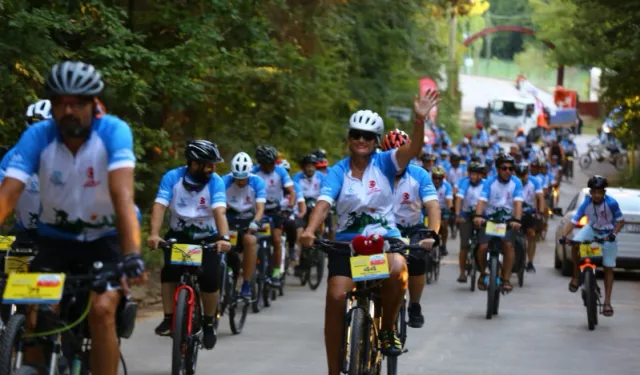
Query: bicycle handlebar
168	244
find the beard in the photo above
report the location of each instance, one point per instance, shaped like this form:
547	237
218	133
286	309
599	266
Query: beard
71	127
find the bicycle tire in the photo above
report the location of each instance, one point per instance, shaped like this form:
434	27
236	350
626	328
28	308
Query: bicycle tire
429	268
259	285
14	329
473	275
585	161
392	365
492	287
236	321
317	262
357	355
401	322
590	299
621	162
520	260
180	334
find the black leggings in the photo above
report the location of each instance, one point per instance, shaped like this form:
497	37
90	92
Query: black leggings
208	277
416	263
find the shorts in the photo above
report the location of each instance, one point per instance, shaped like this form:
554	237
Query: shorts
528	222
609	249
74	257
208	278
240	226
465	231
415	262
340	265
483	239
277	220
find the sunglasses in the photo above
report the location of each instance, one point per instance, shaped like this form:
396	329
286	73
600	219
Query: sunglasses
357	134
510	169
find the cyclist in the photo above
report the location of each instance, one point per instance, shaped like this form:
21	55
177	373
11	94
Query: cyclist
464	149
294	223
456	171
469	189
445	201
322	163
413	191
277	180
605	222
362	186
555	170
246	196
481	136
494	138
428	161
557	151
570	148
532	203
196	196
485	153
27	208
87	211
521	138
548	135
444	160
500	200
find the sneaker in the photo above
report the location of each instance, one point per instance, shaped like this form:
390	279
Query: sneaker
164	328
245	290
292	254
416	319
209	337
391	345
531	268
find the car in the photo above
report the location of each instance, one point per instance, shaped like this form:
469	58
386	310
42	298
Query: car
628	238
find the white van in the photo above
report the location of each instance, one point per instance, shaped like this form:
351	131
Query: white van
511	113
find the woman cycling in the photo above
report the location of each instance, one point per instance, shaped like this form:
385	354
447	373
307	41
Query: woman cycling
362	187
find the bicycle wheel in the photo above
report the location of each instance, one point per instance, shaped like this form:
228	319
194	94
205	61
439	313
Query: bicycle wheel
193	340
259	285
180	334
492	288
436	267
429	266
621	162
316	264
585	161
520	260
356	340
237	318
474	270
392	365
401	322
12	334
590	299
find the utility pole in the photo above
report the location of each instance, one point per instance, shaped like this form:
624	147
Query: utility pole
452	78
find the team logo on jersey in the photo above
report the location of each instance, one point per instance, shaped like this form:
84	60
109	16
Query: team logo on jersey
91	182
406	198
33	186
271	182
372	187
56	178
247	199
203	203
182	203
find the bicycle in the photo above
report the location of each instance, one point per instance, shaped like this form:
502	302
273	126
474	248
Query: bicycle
311	259
364	311
619	160
16	258
472	262
261	293
67	345
520	264
588	250
496	231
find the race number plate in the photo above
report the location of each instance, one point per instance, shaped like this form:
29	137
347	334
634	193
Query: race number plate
590	250
5	242
33	288
186	255
233	237
496	229
369	267
266	229
15	263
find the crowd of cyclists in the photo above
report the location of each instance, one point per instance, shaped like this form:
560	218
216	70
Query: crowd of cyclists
70	180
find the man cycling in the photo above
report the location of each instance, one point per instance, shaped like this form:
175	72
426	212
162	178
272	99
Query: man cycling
362	187
605	221
197	200
445	201
469	189
456	172
428	161
413	191
532	206
570	148
520	138
277	180
294	223
87	210
322	163
480	137
500	200
464	149
246	196
310	180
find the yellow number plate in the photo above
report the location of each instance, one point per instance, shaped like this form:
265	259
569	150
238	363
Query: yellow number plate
369	267
590	250
266	229
496	229
426	221
5	242
233	237
15	263
33	288
187	255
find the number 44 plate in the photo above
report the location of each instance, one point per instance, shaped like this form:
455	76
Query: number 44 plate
33	288
369	267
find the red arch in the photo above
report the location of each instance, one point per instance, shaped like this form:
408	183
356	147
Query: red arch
509	28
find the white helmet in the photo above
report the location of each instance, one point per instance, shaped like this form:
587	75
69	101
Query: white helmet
285	164
241	165
40	110
367	121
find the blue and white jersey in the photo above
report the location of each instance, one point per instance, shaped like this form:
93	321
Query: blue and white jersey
445	191
454	175
555	172
243	200
542	179
275	182
521	141
446	164
549	178
74	189
363	206
549	136
299	198
568	146
500	197
529	192
191	211
465	151
469	194
28	206
414	188
480	138
603	216
310	186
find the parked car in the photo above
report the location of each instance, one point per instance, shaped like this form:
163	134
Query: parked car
628	238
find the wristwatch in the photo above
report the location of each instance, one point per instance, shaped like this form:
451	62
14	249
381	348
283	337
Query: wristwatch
226	238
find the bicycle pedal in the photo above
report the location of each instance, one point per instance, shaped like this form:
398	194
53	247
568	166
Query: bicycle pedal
405	351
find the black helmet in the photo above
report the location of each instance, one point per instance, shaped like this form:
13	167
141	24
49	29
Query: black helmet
522	168
455	157
266	154
476	167
202	151
320	153
428	157
73	78
309	159
504	158
597	182
475	158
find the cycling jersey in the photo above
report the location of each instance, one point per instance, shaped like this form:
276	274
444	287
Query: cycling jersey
363	206
191	211
469	195
465	151
529	191
28	207
445	191
74	189
310	186
549	136
480	138
243	200
299	198
569	147
521	141
446	164
601	217
414	188
275	182
500	197
554	171
454	175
